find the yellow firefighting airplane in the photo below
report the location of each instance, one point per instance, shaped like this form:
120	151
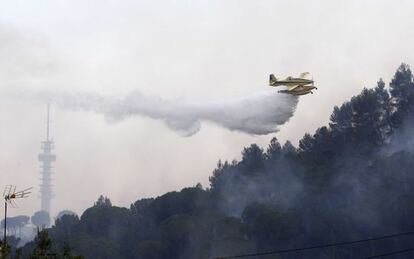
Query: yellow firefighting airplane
295	85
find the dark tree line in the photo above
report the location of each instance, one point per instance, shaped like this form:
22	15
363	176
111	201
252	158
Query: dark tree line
349	180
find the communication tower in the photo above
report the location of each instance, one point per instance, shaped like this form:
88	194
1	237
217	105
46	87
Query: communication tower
46	158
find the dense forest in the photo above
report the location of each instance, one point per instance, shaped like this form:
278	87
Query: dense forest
350	180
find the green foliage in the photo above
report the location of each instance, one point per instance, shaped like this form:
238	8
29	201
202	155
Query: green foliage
104	220
252	159
4	250
10	249
65	226
150	249
96	247
402	93
65	212
18	254
103	202
15	223
188	201
43	247
268	225
68	254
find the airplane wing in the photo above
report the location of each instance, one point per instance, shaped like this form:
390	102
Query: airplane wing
291	88
305	75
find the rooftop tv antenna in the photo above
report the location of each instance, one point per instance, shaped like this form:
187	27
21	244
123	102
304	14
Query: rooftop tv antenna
10	196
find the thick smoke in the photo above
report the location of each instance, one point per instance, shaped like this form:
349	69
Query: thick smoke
258	114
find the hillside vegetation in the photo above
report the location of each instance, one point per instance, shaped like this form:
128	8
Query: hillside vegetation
350	180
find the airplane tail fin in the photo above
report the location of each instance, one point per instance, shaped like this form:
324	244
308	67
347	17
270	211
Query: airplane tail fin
272	79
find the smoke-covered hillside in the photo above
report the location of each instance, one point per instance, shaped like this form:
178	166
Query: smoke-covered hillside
349	180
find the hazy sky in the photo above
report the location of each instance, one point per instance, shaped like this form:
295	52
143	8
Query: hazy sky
192	50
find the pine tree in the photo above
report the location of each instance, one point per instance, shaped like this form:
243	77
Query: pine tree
43	246
402	93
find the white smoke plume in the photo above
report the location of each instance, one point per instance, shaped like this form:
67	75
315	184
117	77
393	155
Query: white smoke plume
258	114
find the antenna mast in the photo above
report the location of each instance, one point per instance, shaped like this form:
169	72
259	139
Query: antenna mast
48	122
46	158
